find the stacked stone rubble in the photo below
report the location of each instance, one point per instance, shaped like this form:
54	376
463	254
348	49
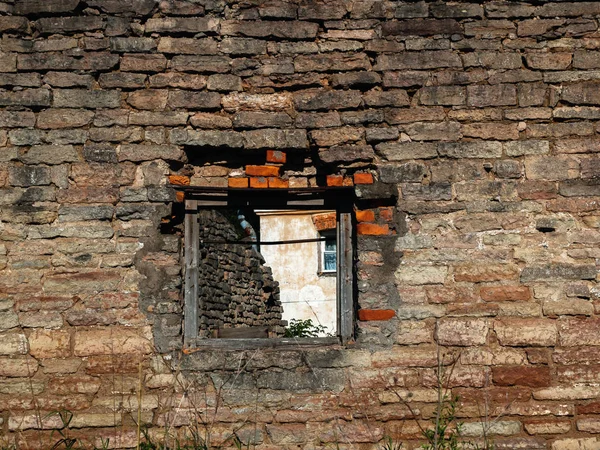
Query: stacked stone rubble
469	131
235	287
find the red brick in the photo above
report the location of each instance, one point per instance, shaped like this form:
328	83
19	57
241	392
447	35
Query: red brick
179	196
521	376
386	214
347	181
365	216
325	221
372	229
335	180
375	314
505	293
259	182
262	171
237	182
276	156
363	178
179	180
537	190
276	182
590	408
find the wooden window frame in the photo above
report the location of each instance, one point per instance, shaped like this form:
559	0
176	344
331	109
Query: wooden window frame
340	200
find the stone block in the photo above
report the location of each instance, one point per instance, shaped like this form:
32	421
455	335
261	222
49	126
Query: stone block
430	131
83	98
549	61
275	139
443	95
496	95
27	97
243	46
224	83
557	168
430	192
178	25
403	173
579	188
49	343
201	64
26	7
346	80
209	138
29	176
485	273
325	100
49	154
462	332
421	27
210	121
58	25
132	45
152	99
258	119
418	61
585	93
521	376
489	29
473	149
20	79
163	118
560	271
143	63
580	331
17	119
421	274
279	29
13	343
51	61
491	131
263	102
526	332
114	340
528	147
336	136
177	80
135	152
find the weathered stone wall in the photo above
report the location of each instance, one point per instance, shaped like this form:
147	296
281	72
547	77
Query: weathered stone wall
235	287
470	133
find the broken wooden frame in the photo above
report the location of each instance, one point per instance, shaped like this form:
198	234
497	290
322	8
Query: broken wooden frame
340	199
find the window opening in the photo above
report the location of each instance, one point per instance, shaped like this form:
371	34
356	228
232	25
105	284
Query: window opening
254	263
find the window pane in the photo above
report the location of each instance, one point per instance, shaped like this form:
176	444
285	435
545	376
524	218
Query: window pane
330	261
330	245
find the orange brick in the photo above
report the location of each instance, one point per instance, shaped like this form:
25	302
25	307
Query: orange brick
365	216
372	229
335	180
275	182
237	182
259	182
386	214
363	178
375	314
324	221
276	156
347	181
179	196
179	180
262	171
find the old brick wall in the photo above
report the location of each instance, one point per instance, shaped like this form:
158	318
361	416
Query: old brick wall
236	288
469	131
